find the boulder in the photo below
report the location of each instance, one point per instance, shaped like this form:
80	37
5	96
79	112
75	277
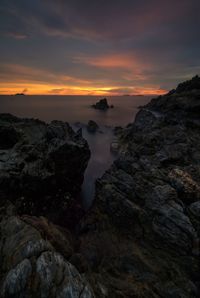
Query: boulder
31	267
92	126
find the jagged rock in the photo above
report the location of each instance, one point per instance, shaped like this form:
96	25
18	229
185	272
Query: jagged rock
147	204
175	228
39	160
30	266
102	104
189	85
59	237
161	195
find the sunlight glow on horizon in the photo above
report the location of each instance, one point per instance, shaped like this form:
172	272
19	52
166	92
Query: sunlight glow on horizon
48	89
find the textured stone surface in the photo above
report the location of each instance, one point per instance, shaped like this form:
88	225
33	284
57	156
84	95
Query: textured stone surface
142	235
195	209
40	162
30	266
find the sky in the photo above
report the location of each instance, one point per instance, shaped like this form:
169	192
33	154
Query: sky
98	47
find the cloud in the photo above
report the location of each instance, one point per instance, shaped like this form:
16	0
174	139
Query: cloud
16	35
110	61
154	90
57	90
97	44
104	20
23	73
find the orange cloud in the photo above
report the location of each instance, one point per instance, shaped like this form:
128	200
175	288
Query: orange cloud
127	61
44	89
129	67
14	78
20	73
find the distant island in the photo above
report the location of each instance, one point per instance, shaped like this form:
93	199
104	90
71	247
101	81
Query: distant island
20	94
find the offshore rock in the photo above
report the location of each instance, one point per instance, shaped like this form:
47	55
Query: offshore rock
102	104
92	126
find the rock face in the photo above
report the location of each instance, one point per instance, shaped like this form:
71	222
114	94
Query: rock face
142	235
31	266
39	160
102	104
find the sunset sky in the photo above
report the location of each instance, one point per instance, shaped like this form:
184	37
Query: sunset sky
104	47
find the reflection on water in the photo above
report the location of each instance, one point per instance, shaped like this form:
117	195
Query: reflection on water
78	109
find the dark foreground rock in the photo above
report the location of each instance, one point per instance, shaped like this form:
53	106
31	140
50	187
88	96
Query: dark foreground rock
40	162
141	238
31	265
102	104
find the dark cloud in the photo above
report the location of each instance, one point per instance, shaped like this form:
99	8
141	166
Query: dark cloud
105	19
90	40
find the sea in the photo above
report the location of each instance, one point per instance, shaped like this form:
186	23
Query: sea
77	111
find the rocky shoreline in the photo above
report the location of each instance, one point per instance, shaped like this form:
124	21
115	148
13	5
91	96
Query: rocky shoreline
41	165
141	236
146	212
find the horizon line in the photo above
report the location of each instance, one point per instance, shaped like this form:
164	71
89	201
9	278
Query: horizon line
124	95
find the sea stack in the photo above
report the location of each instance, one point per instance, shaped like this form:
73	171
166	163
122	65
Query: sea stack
102	105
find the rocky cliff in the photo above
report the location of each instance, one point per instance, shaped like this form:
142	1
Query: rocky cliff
142	235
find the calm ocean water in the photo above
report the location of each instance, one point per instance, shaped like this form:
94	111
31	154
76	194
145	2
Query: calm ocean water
77	109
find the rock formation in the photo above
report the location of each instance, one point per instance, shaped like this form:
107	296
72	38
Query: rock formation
102	104
41	169
30	264
39	160
141	237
